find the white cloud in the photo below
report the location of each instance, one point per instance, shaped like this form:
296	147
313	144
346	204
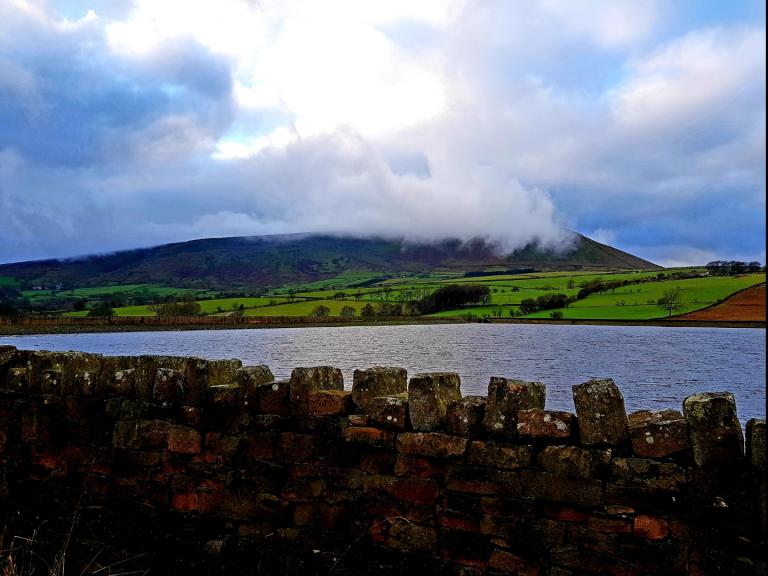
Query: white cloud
606	23
180	119
691	77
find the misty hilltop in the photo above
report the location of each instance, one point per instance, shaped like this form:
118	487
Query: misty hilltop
278	260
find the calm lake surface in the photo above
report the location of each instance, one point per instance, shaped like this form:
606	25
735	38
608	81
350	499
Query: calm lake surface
655	367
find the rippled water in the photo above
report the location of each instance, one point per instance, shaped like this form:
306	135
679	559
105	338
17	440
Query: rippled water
655	367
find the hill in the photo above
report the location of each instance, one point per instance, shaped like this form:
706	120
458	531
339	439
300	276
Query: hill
278	260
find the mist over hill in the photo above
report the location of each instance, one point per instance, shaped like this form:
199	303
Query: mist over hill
260	261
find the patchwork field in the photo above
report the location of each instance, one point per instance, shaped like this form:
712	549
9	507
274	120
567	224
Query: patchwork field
637	300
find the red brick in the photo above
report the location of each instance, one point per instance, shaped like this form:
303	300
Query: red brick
185	501
650	527
370	436
565	513
417	467
415	490
329	402
48	460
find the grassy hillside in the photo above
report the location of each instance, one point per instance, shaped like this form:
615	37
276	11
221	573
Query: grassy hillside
635	301
274	261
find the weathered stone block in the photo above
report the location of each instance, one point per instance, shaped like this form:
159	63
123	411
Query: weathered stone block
259	445
483	481
222	444
169	386
201	374
6	354
538	424
18	379
292	447
388	412
715	431
505	398
601	413
413	490
375	382
496	455
141	434
223	396
358	420
575	461
7	358
305	381
465	417
610	524
183	440
250	379
658	434
556	488
78	372
273	398
431	444
50	381
648	477
329	402
428	397
404	535
121	383
146	372
85	383
756	444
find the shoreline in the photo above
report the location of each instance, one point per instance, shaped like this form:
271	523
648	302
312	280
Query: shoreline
85	327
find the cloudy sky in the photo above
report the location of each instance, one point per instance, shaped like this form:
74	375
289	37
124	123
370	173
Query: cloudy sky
133	123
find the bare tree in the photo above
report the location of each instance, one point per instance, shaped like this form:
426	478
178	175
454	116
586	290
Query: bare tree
671	300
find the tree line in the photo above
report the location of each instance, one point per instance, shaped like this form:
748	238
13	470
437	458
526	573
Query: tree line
732	267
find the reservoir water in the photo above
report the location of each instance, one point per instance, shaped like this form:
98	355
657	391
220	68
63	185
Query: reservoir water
655	367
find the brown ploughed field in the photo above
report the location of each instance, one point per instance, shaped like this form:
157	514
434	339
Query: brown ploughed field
747	305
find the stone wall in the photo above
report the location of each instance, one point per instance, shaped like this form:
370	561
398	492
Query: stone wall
184	465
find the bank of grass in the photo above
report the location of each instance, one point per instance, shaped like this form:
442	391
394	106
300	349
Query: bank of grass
638	301
214	306
305	308
631	302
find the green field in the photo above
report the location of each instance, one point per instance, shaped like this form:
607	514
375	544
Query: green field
636	301
305	308
129	289
8	281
